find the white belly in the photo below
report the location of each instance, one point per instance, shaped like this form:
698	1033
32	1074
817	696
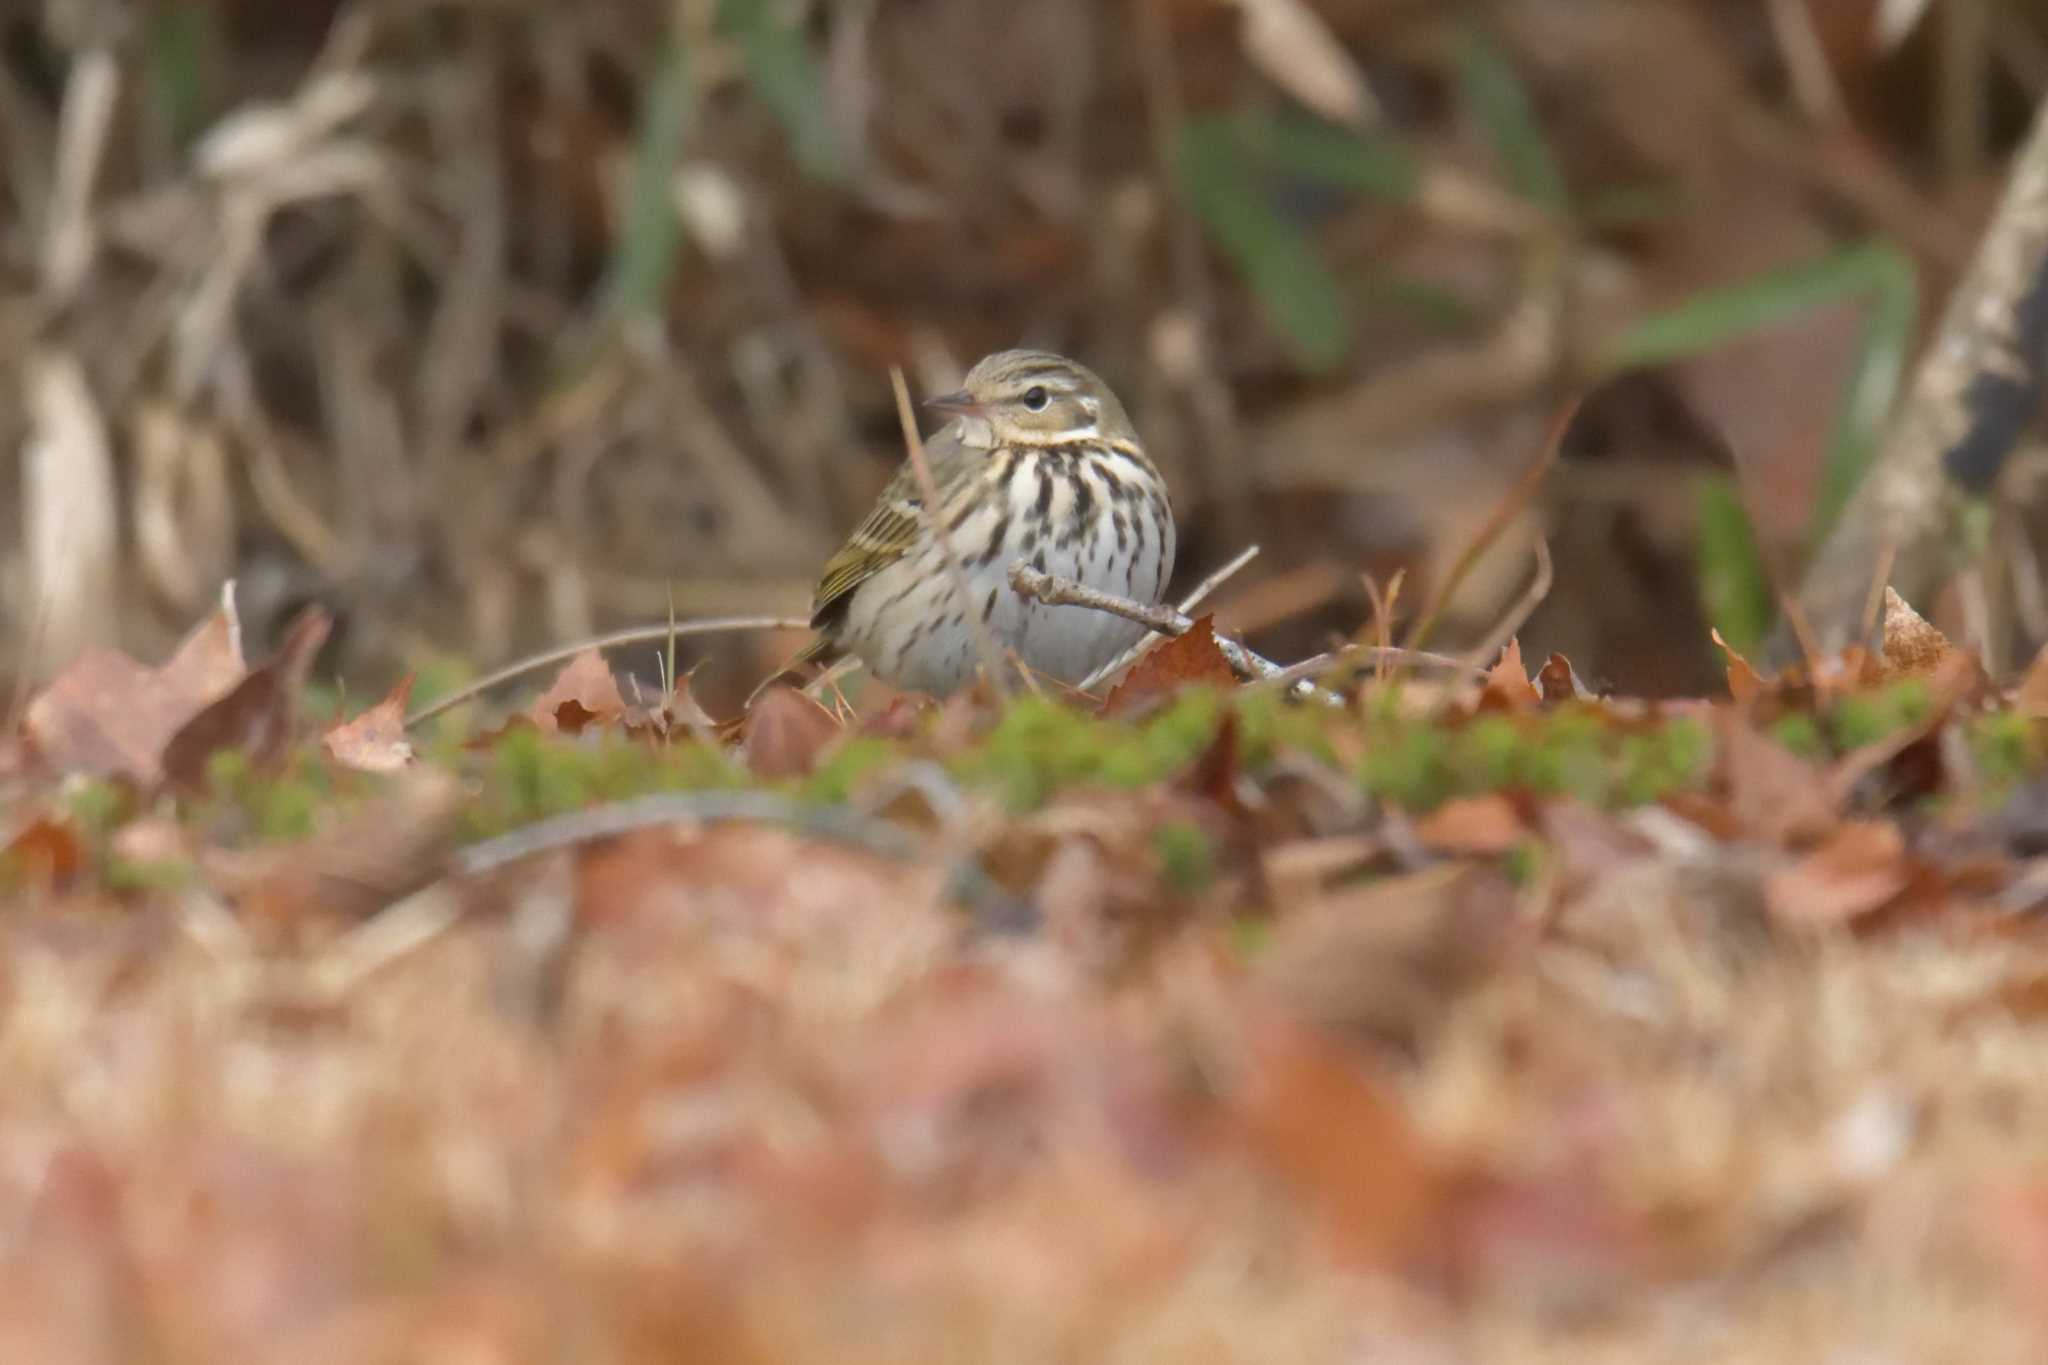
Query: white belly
913	631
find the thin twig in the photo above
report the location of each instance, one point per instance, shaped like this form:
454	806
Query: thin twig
632	636
1518	615
1512	502
1056	591
1880	579
935	527
1376	655
1187	606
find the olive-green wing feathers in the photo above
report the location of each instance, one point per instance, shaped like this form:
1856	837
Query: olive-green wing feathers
882	538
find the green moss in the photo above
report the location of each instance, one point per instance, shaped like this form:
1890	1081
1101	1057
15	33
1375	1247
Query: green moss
529	776
2007	747
1873	716
1800	733
1269	725
1039	746
97	807
242	804
1654	764
1187	856
1488	754
1525	862
1408	766
836	777
1250	935
141	875
1577	752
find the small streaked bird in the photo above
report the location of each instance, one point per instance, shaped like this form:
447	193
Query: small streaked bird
1038	464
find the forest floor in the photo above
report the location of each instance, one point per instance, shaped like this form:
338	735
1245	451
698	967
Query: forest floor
1487	1020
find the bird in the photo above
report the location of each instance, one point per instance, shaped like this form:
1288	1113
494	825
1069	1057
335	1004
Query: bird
1037	463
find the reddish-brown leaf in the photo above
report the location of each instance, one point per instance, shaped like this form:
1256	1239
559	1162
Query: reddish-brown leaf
375	741
584	693
1772	793
208	661
1214	775
1191	660
1857	871
784	731
45	853
1745	684
109	715
255	716
1325	1124
386	849
1507	686
1559	681
1477	826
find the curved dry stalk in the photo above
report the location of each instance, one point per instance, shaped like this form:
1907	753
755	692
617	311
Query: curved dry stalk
633	635
1310	668
935	527
1512	502
1517	616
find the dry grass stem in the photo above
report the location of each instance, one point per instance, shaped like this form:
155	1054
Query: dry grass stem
935	526
563	653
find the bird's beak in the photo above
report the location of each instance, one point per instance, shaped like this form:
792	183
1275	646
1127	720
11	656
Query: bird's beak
957	404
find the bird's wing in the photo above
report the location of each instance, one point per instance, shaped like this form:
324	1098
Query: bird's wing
886	534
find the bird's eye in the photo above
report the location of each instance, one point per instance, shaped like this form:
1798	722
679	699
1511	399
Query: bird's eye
1035	398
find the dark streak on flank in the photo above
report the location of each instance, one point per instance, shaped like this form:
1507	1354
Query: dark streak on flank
1044	492
998	537
988	608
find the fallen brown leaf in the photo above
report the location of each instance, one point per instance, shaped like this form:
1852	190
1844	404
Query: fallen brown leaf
1857	871
1507	686
45	853
1745	684
255	716
108	715
1191	660
391	847
374	742
584	693
784	732
1476	826
1384	961
1312	1111
1559	681
1772	793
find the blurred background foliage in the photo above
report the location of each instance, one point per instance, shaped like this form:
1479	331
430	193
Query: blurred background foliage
493	323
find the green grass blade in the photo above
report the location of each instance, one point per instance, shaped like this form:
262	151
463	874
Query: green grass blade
1714	317
181	52
1493	94
644	261
1874	382
1735	588
1378	165
788	79
1301	297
